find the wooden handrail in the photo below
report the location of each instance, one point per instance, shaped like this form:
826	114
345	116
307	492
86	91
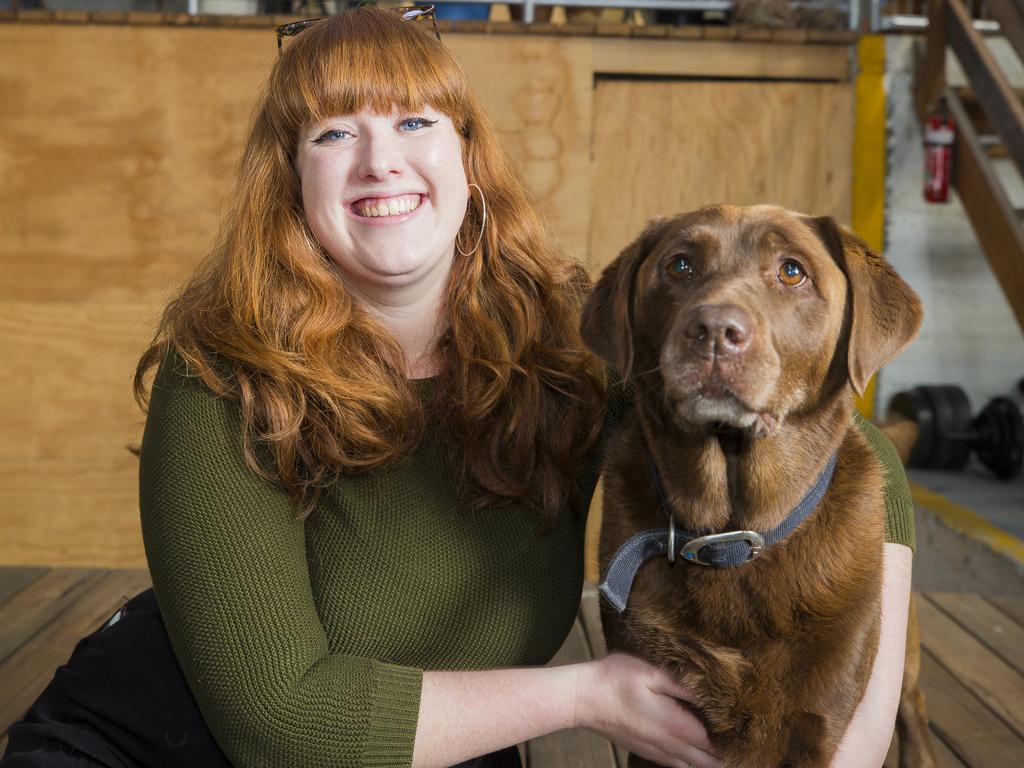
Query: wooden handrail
1010	15
991	213
994	92
995	222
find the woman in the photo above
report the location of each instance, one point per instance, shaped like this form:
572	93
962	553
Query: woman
370	445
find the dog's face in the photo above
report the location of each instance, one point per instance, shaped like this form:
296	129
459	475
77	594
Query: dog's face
743	314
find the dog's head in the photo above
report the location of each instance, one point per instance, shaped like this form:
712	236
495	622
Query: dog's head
743	316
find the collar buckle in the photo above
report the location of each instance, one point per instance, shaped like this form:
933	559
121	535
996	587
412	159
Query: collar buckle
691	551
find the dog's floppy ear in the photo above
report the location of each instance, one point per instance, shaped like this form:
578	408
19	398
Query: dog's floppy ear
885	311
606	324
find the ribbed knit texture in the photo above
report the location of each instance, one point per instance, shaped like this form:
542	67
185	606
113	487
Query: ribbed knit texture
899	507
303	643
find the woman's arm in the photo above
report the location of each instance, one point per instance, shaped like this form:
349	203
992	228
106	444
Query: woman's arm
624	699
867	738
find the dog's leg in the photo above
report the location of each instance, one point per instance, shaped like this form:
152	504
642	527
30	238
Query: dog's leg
911	718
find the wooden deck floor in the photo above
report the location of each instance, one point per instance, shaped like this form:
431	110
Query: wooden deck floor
972	662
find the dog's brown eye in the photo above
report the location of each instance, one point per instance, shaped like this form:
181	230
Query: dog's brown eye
680	266
791	273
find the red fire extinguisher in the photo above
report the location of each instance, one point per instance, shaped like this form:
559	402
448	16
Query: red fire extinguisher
939	136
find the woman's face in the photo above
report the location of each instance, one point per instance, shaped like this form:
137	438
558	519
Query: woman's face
385	195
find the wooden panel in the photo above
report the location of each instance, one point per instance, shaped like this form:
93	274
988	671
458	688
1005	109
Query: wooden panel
113	177
71	512
65	386
992	215
542	113
665	147
721	58
27	671
114	184
134	194
989	678
992	627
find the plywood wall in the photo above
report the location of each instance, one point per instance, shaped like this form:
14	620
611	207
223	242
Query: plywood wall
117	145
665	147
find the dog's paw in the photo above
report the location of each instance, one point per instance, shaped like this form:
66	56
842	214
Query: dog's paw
718	678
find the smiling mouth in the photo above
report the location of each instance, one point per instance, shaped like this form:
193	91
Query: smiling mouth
380	207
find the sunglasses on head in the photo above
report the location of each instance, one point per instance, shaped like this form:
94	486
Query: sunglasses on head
409	13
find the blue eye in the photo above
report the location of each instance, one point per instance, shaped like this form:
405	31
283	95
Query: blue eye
415	123
680	266
329	136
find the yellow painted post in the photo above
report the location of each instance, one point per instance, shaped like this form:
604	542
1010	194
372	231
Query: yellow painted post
869	161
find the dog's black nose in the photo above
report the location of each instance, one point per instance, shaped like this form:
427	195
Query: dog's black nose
720	329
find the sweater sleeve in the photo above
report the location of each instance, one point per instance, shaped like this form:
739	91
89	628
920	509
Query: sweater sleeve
899	507
228	561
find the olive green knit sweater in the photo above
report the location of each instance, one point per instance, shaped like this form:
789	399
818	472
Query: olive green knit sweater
304	642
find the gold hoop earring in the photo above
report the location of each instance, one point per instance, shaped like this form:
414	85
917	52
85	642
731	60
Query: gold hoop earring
483	224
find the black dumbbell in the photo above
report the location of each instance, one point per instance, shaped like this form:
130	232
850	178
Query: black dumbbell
947	433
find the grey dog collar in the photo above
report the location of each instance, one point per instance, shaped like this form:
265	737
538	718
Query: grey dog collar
719	550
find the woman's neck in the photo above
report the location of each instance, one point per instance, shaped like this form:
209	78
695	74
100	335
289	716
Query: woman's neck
415	317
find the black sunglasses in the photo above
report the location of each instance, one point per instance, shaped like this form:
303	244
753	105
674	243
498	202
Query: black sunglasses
409	13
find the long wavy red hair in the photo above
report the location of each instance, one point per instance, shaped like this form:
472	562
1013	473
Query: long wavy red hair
323	390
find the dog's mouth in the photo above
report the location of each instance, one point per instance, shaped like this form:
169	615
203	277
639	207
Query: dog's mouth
715	405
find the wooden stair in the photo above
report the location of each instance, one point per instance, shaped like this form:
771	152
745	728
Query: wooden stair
989	124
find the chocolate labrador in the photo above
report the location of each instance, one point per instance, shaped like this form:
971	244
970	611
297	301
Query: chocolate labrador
743	509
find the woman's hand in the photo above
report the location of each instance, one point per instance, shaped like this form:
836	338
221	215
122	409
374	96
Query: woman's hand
637	706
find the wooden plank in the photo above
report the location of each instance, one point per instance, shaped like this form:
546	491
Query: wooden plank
590	616
984	74
992	627
990	678
13	580
992	215
971	730
27	671
577	746
720	58
1011	606
26	614
932	74
944	756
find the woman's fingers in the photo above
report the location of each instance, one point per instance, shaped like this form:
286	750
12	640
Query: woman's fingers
643	709
689	728
671	686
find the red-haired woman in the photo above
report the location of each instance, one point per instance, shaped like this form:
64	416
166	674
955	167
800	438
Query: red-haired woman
370	446
371	442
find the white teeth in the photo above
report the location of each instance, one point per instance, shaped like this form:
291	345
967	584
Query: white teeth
392	207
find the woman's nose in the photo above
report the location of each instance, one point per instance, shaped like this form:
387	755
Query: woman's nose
380	157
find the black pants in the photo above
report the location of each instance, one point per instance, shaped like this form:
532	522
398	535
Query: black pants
121	701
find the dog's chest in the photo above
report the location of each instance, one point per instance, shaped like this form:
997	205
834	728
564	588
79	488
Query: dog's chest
827	571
